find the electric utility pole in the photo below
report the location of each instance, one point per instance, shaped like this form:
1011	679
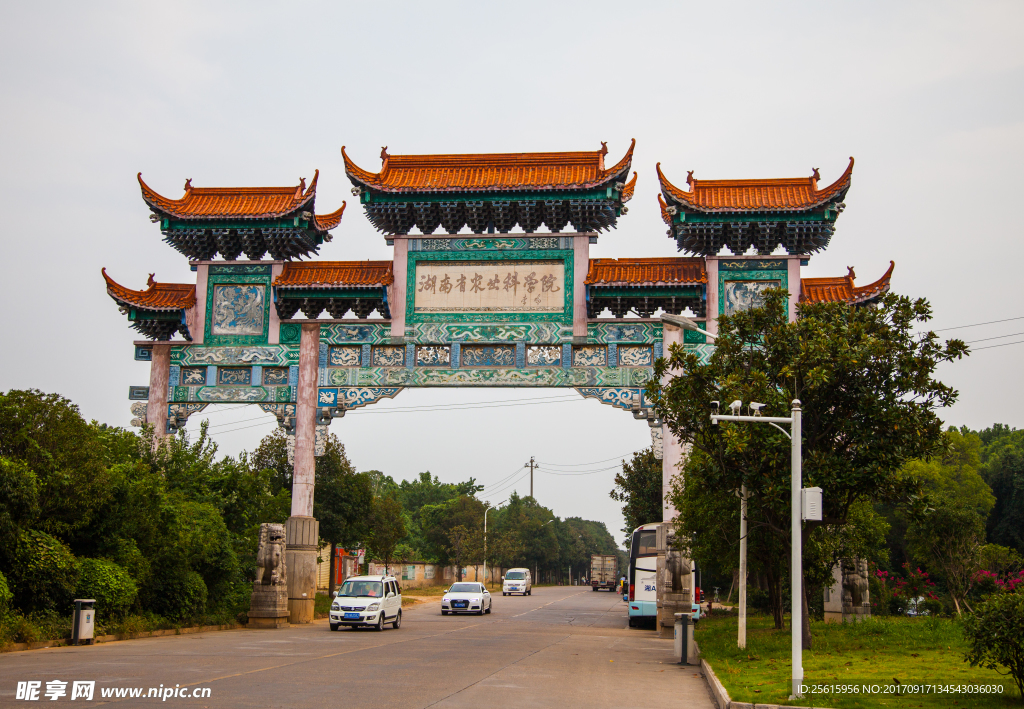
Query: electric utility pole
531	465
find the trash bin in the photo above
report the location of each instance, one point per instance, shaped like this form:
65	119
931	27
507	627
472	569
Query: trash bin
84	622
682	638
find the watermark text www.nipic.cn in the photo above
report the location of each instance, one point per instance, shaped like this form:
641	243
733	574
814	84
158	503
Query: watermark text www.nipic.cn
33	691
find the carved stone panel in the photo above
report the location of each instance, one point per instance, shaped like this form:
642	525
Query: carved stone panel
589	356
238	309
489	287
193	376
388	356
433	356
488	356
544	355
275	376
346	356
636	356
234	376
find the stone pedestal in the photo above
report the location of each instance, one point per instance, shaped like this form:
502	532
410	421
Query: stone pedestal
268	605
301	554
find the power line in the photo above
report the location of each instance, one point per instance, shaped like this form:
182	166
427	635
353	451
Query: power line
997	337
1005	344
588	472
978	325
502	480
508	486
580	465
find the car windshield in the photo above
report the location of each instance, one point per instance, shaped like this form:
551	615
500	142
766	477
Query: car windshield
515	575
373	589
465	588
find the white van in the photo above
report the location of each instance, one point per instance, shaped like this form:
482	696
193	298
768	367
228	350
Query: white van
367	601
517	581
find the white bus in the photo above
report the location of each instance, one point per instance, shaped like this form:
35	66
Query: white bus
642	594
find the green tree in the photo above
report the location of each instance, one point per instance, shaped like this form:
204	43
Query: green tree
949	537
638	487
996	636
464	547
49	436
1003	470
865	377
386	529
342	502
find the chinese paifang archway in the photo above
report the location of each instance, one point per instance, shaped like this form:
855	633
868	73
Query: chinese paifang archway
466	301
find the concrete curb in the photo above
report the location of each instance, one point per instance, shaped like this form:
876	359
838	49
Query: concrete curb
18	647
721	696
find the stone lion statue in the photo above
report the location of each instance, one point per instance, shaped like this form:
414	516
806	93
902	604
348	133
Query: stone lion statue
270	566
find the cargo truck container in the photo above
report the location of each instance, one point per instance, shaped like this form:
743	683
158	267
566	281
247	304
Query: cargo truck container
604	571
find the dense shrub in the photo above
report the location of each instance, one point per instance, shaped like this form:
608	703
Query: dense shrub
113	588
44	573
5	596
996	634
179	596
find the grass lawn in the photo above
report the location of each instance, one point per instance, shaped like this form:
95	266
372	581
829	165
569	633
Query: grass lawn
914	650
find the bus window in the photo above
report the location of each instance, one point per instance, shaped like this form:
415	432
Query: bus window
647	543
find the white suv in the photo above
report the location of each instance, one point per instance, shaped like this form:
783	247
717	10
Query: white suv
517	581
367	600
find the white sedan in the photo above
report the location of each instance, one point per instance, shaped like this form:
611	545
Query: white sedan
466	598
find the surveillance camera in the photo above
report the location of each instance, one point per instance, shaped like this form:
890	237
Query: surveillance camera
756	408
736	406
714	404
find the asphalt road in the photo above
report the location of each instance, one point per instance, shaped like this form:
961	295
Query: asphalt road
560	647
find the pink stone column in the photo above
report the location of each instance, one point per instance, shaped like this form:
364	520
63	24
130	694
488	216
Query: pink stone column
305	421
672	449
711	325
793	276
581	265
274	333
398	288
159	373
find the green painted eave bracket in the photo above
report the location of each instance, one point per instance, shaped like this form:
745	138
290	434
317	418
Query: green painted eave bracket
287	223
135	314
604	194
827	215
598	292
350	293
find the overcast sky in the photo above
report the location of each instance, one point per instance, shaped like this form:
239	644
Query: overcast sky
926	95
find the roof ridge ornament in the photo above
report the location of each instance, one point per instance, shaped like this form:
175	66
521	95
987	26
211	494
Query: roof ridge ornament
151	281
188	184
689	179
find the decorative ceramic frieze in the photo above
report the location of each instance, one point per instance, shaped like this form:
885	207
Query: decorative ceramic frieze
433	356
190	355
234	376
488	356
635	355
340	333
275	376
345	356
354	397
589	356
233	394
624	332
388	356
543	355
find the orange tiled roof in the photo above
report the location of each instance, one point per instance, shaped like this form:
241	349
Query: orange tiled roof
842	288
777	195
158	296
318	274
236	202
326	222
629	189
646	271
491	172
